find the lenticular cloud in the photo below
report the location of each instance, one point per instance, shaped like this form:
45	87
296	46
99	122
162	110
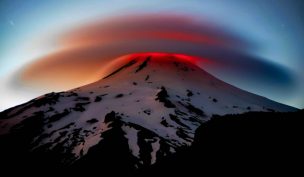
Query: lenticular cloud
84	51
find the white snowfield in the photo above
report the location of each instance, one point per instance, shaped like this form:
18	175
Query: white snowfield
158	100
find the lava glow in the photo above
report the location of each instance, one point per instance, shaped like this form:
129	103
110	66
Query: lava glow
161	56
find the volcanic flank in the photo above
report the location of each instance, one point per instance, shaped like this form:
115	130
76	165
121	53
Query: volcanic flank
146	107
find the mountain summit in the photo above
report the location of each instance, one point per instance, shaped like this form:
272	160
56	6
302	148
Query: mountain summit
145	107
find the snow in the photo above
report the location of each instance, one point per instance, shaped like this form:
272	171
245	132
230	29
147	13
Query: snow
155	148
89	142
162	72
131	135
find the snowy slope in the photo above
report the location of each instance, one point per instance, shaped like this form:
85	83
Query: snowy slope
154	102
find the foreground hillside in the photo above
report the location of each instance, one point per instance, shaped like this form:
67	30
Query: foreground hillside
250	143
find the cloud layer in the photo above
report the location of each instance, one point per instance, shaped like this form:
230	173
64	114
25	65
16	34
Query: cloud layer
86	50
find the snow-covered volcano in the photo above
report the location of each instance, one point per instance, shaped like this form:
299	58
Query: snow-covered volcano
147	106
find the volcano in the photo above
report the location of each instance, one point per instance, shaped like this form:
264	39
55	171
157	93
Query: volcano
145	107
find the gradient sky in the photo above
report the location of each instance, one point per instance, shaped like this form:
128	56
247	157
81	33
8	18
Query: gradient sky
260	50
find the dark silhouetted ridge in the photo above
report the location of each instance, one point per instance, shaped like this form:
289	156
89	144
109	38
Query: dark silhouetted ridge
250	143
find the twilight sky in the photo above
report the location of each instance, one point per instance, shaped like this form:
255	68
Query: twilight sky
58	45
